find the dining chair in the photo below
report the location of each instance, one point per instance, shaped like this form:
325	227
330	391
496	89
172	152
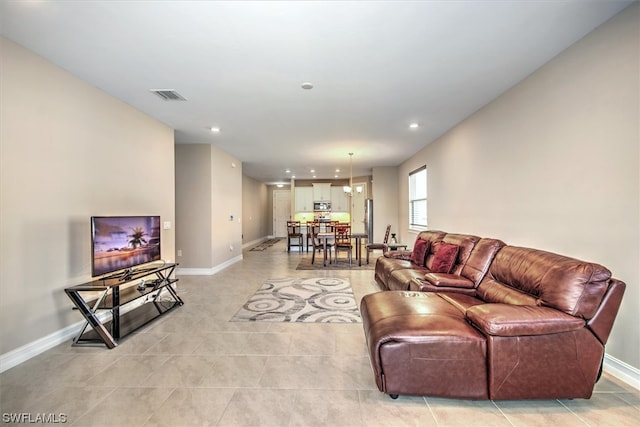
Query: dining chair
309	234
342	241
380	246
294	235
317	243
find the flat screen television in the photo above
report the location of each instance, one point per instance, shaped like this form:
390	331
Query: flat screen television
122	243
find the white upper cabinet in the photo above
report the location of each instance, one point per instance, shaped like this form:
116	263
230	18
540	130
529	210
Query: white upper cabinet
339	200
322	192
304	199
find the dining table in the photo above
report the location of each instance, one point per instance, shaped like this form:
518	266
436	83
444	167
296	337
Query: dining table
327	236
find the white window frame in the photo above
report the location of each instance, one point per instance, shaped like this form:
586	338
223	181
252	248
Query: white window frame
417	198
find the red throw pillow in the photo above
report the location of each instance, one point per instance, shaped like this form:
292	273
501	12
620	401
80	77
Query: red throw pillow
420	250
445	257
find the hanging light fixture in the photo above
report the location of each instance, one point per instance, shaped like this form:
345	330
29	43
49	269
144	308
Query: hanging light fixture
348	188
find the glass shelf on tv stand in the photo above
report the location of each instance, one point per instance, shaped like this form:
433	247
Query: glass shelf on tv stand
114	293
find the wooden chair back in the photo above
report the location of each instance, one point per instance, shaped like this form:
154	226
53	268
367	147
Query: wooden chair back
386	234
342	235
293	228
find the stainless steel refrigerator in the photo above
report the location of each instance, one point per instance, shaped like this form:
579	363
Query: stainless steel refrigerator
368	219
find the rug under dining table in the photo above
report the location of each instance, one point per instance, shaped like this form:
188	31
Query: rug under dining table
342	264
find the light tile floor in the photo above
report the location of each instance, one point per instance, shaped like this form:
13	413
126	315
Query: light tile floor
195	368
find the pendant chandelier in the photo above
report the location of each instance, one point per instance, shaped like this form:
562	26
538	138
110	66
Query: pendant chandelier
348	188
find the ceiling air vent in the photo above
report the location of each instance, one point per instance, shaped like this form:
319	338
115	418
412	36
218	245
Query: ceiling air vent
168	94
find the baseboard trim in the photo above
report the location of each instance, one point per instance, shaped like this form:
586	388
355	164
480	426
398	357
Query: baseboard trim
622	371
34	348
22	354
208	271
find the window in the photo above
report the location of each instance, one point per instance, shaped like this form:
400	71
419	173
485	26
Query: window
418	198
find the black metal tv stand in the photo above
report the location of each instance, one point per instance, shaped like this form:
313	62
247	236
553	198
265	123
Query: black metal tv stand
114	293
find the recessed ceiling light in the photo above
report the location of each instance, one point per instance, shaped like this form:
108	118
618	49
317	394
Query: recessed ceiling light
313	171
307	86
214	129
337	170
414	126
288	171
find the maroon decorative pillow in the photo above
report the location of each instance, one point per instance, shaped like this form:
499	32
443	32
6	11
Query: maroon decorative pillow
445	257
420	250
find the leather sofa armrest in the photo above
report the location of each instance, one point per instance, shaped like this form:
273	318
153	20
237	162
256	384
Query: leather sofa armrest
405	255
507	320
447	280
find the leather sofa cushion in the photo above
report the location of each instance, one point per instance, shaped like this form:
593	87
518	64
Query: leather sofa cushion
400	280
448	280
432	236
573	286
404	255
420	345
386	266
462	302
493	291
420	285
480	259
517	320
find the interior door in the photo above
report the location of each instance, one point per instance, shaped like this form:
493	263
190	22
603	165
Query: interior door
357	209
281	212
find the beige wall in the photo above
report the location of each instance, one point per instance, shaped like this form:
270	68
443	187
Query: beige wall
209	184
553	164
255	218
226	202
385	207
193	205
67	151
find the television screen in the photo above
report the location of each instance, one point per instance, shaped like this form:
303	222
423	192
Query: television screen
123	242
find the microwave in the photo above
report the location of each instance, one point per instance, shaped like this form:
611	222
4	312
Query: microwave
322	206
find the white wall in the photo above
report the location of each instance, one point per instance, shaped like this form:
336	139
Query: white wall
385	209
553	164
67	151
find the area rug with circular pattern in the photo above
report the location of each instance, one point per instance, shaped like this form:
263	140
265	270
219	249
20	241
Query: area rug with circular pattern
315	300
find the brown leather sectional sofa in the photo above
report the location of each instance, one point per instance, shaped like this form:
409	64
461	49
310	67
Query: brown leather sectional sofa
504	323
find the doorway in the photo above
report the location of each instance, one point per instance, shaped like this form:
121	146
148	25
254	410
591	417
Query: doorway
357	208
281	212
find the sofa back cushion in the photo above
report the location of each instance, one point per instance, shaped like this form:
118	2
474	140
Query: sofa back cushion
465	242
419	252
480	259
533	277
432	236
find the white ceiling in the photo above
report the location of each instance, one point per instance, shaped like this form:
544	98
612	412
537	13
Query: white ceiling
376	66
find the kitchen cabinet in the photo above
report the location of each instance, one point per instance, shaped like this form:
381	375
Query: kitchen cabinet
339	200
322	192
304	199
